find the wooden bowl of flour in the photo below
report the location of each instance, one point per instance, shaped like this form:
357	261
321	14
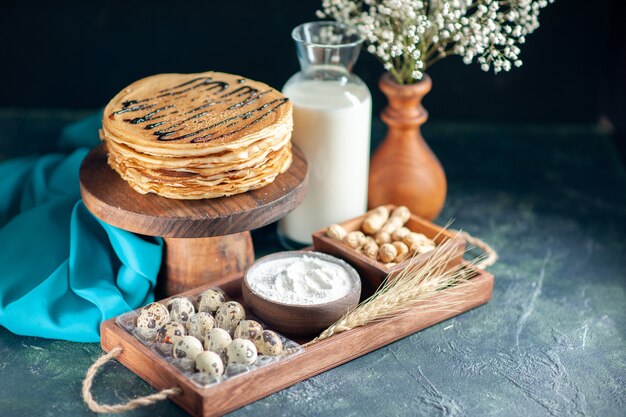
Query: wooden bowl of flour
300	293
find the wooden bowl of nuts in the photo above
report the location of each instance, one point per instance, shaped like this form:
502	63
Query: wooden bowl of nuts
383	240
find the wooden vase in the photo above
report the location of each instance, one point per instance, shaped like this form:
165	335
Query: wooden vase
403	170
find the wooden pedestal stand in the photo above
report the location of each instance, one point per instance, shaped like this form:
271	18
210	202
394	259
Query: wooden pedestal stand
206	241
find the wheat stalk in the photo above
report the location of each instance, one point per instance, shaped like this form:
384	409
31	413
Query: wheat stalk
416	284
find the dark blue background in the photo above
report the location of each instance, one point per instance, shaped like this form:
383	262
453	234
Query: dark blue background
78	54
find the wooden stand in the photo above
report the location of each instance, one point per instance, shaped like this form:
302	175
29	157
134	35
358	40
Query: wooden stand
190	263
205	240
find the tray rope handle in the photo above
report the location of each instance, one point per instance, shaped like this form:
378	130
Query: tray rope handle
490	255
119	408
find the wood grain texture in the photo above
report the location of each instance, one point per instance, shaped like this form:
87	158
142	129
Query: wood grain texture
190	263
403	170
319	357
298	320
112	200
374	272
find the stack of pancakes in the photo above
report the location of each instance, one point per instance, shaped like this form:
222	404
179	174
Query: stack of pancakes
193	136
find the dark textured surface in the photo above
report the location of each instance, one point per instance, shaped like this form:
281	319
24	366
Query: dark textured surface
552	201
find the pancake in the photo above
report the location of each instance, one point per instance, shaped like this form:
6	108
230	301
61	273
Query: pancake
238	155
193	136
198	187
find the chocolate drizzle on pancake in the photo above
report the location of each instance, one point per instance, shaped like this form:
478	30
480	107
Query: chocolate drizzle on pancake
195	136
175	123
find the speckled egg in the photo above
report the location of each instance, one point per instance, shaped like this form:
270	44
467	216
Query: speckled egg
241	351
151	318
229	315
199	324
247	329
180	308
211	300
217	340
187	347
170	332
210	363
268	343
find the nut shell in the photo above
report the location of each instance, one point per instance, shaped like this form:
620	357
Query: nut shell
336	232
355	239
387	253
403	251
382	238
375	220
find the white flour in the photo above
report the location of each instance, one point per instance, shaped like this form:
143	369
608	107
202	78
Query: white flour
300	280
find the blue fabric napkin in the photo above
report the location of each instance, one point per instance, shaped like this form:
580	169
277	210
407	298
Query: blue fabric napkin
63	271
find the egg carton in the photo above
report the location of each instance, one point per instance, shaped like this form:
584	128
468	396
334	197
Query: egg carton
187	366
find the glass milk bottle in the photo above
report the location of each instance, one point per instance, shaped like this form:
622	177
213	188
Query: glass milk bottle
332	115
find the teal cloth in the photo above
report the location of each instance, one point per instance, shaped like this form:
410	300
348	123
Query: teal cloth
62	270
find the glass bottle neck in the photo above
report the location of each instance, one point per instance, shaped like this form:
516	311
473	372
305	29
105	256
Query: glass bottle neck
325	72
326	50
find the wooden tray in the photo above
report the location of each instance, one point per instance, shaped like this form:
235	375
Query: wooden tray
374	272
317	358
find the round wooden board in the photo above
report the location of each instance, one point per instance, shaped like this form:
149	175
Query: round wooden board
112	200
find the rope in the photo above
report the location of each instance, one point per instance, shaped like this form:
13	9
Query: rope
118	408
491	256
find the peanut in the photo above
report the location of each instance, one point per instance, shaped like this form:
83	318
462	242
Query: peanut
382	238
387	253
336	232
399	233
369	239
355	239
414	238
370	248
375	220
398	218
403	251
424	247
419	243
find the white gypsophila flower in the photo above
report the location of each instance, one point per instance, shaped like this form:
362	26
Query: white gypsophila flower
408	36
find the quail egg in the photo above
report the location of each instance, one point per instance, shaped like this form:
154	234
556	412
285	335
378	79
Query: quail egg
151	318
211	300
187	347
210	363
229	315
180	309
268	343
217	340
247	329
170	332
199	324
241	351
